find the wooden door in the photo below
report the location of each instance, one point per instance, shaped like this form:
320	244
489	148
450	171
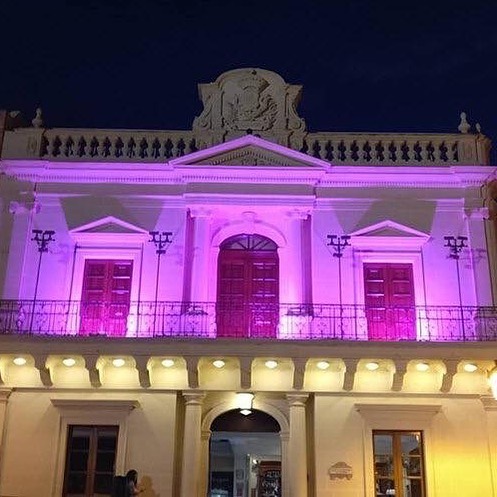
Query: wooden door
248	288
106	297
389	301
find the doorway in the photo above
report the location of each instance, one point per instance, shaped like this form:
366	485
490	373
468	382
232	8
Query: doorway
248	287
389	301
245	456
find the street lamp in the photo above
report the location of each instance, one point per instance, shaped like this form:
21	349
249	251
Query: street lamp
339	242
161	239
43	238
456	244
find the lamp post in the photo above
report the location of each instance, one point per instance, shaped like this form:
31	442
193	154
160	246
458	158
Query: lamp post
42	238
456	244
161	239
339	242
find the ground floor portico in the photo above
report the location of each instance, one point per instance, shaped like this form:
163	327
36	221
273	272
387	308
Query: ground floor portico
324	420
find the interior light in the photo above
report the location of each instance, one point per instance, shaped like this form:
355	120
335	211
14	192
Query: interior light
372	366
118	363
271	364
323	365
168	363
244	402
19	361
245	412
422	366
218	363
69	362
470	367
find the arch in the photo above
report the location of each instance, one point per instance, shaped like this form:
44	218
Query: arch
223	407
251	227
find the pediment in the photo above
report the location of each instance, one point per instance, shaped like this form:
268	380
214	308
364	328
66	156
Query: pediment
249	151
108	228
388	234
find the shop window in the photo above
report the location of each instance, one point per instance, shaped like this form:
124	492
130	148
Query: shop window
398	463
90	461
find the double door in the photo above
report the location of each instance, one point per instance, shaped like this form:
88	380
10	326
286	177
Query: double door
105	297
248	294
389	301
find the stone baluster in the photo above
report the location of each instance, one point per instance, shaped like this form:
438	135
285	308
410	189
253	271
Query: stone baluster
297	445
192	445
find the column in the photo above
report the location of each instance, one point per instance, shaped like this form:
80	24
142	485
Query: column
297	463
4	396
204	463
200	255
192	445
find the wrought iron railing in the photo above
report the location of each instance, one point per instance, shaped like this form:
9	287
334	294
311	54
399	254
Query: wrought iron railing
239	320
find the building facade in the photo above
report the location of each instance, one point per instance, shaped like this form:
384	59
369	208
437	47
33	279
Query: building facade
247	309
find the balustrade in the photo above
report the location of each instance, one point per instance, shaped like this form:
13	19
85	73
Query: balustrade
273	321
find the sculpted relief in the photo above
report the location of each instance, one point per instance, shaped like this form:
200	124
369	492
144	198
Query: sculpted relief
249	101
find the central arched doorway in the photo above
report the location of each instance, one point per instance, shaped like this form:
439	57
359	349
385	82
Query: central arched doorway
248	287
245	455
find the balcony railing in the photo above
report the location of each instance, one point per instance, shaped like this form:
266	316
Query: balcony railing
238	320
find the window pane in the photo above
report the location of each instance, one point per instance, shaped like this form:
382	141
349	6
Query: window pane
416	489
103	484
410	443
76	483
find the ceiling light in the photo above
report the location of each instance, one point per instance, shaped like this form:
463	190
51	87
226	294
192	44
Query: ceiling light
470	367
19	361
422	366
245	412
168	363
69	362
372	366
271	364
117	363
218	363
323	365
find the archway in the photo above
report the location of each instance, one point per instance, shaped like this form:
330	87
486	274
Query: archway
245	455
248	287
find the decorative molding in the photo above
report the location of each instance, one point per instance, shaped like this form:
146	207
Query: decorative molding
401	411
95	405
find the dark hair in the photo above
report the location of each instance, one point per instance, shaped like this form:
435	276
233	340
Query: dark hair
132	475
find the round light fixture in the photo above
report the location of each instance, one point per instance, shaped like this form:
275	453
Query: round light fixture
323	365
470	367
372	366
19	361
168	363
271	364
422	366
218	363
69	362
118	362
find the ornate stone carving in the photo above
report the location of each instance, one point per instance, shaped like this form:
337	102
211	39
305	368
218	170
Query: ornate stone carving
250	156
249	100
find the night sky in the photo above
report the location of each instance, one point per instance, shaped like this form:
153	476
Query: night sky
365	65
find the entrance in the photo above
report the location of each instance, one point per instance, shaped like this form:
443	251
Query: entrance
245	456
105	297
389	300
248	287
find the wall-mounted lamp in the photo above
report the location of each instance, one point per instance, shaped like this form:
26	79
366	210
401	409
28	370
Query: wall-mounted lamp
244	402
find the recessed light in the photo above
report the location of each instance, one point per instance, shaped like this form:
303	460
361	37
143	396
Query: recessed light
168	363
372	366
245	412
218	363
271	364
470	367
69	362
422	366
19	361
323	365
118	363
